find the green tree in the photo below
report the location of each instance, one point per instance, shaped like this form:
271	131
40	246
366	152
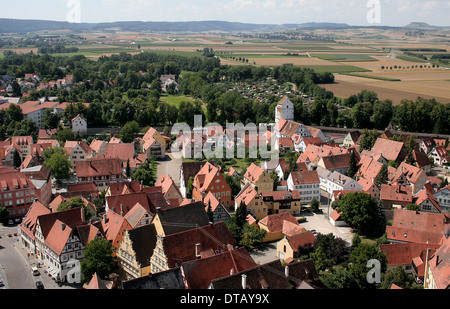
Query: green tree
399	277
97	259
129	131
359	259
360	211
4	213
353	167
315	206
251	236
320	259
368	139
59	165
190	187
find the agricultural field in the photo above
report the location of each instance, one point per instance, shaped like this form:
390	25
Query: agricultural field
372	59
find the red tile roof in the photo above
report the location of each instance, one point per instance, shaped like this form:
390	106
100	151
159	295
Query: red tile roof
389	149
98	167
274	223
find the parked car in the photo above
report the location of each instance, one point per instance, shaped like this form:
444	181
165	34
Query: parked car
39	285
35	271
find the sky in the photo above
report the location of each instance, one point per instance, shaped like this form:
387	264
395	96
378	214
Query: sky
352	12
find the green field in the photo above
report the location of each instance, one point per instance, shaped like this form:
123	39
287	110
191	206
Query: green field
335	68
345	57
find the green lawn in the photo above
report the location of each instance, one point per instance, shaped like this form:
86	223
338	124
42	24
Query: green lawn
335	68
345	57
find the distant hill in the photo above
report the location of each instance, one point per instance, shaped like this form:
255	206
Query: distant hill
26	26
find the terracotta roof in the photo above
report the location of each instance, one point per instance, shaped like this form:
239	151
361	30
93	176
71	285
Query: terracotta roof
389	149
182	246
440	265
98	167
29	222
421	158
425	195
369	167
58	236
274	223
281	195
96	283
123	203
417	227
301	240
166	182
253	173
122	151
410	172
112	225
305	177
246	195
396	193
71	217
199	273
190	169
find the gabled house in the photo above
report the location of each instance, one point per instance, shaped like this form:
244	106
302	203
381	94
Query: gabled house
390	150
278	225
409	226
175	220
29	225
113	227
219	213
351	139
188	170
290	245
199	273
195	243
282	201
335	181
79	125
284	110
395	196
440	156
78	151
427	144
170	190
409	175
443	198
272	275
437	274
135	250
210	179
258	178
100	171
153	144
339	163
426	201
253	202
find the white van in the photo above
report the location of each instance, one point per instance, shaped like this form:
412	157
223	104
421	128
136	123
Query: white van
35	271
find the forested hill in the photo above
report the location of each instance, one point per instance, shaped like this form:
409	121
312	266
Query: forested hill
25	26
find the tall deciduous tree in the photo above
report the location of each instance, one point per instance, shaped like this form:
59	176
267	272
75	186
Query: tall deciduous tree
97	259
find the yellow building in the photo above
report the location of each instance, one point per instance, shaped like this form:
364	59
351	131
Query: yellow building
258	178
253	202
135	251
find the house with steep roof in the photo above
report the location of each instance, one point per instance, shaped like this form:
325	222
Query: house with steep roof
113	226
272	275
78	151
410	175
410	256
278	225
290	246
426	200
443	198
100	171
138	216
335	181
253	202
210	179
135	250
153	144
170	190
79	125
194	243
29	224
395	196
390	150
175	220
219	213
22	145
98	146
284	110
97	283
421	160
427	144
437	269
440	156
339	163
258	178
188	170
351	139
409	226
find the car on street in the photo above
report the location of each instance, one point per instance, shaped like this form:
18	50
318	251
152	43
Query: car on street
35	271
39	285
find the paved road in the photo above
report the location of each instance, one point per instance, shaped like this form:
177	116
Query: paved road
16	264
170	166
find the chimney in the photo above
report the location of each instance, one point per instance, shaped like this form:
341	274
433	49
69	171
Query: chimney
286	271
244	282
197	251
121	210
